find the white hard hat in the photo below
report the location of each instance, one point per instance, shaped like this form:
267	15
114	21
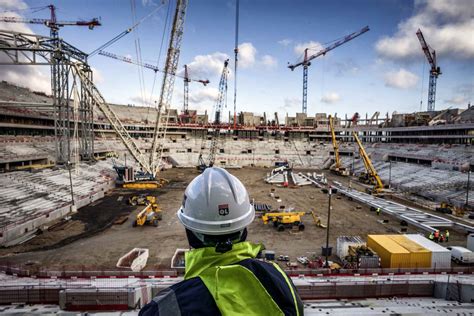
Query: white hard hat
216	203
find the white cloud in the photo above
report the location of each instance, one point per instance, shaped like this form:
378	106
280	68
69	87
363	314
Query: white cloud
285	42
312	45
35	78
446	25
97	75
247	54
458	99
12	5
401	79
206	66
269	61
205	94
330	98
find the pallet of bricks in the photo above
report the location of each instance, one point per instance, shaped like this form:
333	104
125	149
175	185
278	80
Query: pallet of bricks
354	253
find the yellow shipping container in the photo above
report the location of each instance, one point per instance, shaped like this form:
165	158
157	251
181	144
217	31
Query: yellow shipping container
420	257
391	254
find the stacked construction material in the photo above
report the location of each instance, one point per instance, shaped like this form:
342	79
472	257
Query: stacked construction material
409	251
354	254
343	243
259	207
440	256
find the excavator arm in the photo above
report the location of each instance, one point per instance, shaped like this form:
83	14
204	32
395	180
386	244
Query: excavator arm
368	165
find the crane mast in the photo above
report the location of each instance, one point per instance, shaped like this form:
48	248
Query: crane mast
307	61
172	58
218	109
186	91
334	143
435	70
369	167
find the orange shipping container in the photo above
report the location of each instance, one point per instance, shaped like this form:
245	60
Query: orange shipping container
392	255
420	257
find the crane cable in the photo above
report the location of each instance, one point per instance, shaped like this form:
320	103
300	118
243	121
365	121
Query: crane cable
422	84
128	30
236	51
138	51
163	36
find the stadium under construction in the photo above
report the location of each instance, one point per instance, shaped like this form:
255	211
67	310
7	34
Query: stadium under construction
371	212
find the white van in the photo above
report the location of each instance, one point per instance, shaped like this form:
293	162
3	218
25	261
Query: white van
461	254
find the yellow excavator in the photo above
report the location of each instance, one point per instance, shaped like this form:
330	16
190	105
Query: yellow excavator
371	176
337	167
282	220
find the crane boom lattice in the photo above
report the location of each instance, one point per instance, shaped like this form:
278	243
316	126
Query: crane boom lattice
218	109
171	66
435	71
307	61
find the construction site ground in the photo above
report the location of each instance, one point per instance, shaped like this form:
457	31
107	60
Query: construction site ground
90	239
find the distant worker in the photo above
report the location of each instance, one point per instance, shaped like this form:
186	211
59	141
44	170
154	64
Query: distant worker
441	238
378	210
447	235
436	235
221	274
431	236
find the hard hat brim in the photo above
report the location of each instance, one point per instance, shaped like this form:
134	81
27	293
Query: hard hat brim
216	227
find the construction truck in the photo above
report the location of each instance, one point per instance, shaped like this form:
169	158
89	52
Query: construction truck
371	176
337	167
142	199
150	215
284	220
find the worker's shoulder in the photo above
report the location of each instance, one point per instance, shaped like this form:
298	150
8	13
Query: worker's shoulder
277	284
264	271
188	297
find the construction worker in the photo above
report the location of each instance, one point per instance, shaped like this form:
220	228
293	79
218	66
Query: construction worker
378	211
431	236
447	235
441	237
436	235
221	275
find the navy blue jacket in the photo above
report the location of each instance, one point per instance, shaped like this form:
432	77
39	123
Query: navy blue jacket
191	297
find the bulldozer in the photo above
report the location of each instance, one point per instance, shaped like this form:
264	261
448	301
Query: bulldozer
284	220
151	214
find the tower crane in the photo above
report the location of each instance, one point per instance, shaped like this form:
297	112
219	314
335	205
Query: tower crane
435	71
187	80
307	61
221	100
60	66
52	23
371	176
337	167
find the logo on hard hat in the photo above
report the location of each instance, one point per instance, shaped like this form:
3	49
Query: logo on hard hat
223	209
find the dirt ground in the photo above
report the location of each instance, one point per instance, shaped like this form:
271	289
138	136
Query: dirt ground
90	241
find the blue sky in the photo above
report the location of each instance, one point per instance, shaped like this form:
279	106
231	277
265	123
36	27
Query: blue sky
382	70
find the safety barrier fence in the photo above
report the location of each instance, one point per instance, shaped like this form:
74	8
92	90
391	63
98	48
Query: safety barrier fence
123	294
94	272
